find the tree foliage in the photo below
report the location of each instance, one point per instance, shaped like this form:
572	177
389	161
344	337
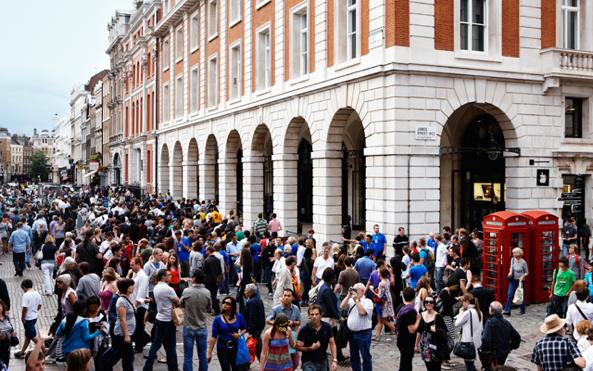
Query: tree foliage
39	166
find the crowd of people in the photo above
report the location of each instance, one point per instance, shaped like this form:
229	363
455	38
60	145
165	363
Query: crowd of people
129	273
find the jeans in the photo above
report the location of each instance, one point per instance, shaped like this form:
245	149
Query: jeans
200	337
360	347
257	271
18	258
560	304
140	337
469	365
268	277
119	350
513	285
214	298
433	366
305	285
224	285
48	270
315	366
184	268
164	334
226	358
406	357
439	273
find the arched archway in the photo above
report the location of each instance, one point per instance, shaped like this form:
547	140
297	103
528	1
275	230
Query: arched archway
191	170
347	137
232	190
261	147
163	187
473	154
177	172
210	181
116	170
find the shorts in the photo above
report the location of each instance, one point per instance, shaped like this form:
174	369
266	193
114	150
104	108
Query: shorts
30	330
378	311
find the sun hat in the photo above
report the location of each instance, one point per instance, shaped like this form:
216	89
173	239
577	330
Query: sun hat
551	324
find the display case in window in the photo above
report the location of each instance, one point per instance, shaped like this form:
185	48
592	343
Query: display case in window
503	231
545	250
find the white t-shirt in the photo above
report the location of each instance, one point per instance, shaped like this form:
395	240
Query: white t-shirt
355	321
31	301
321	264
300	254
441	258
573	316
164	296
588	355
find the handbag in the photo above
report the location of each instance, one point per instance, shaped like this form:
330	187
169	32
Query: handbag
243	356
39	254
518	297
343	334
178	316
466	349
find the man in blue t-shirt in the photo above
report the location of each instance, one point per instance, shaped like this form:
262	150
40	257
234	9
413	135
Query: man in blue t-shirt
365	266
417	271
183	247
255	249
378	242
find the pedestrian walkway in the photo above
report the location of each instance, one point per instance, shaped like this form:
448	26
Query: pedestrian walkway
385	353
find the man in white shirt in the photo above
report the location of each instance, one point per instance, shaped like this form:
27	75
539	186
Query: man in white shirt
440	262
141	300
360	322
31	303
164	328
579	311
321	263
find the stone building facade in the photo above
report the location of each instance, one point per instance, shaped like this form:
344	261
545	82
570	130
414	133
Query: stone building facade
403	113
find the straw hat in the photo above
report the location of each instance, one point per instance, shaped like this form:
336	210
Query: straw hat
552	324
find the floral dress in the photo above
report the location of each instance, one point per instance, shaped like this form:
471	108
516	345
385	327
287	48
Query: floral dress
387	306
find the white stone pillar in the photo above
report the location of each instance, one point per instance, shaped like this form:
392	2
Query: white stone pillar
228	185
286	190
176	179
164	178
327	195
190	179
253	189
207	172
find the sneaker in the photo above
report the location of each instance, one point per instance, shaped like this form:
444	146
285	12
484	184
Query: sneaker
19	355
507	313
445	366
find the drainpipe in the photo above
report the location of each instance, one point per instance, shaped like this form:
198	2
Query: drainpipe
408	196
155	120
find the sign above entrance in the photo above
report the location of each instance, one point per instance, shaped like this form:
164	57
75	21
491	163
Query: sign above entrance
543	177
424	132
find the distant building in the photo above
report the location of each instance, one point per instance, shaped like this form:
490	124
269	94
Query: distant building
44	141
63	149
15	168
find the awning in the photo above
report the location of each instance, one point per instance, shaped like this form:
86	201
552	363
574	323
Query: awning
90	174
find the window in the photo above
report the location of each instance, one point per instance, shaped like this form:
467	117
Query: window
300	43
347	25
166	6
179	44
235	66
570	16
235	10
193	93
212	18
573	117
264	59
212	82
166	103
194	26
473	25
166	54
179	97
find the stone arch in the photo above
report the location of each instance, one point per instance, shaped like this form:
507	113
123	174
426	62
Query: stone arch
116	169
232	170
164	185
191	171
474	158
262	150
210	180
177	171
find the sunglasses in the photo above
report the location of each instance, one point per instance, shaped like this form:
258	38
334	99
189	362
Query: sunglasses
429	302
227	303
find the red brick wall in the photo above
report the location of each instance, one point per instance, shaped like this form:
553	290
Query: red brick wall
443	25
510	28
548	24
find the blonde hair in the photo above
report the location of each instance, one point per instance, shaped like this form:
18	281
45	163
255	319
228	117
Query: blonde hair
78	360
109	274
49	239
582	327
518	250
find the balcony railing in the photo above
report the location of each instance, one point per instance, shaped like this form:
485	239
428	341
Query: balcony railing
565	63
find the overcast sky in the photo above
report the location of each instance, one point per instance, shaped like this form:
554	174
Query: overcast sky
47	49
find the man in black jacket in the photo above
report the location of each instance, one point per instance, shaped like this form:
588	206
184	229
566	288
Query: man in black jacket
484	295
255	315
498	338
469	251
213	276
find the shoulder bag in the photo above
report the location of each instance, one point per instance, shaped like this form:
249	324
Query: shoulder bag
466	349
343	334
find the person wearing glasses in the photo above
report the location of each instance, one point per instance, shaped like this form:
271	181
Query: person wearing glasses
226	330
431	338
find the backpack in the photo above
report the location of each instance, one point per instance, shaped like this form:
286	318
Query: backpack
430	254
314	292
112	311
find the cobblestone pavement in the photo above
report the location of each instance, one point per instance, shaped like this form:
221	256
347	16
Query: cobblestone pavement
385	353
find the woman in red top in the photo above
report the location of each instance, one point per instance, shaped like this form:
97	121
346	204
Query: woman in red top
174	270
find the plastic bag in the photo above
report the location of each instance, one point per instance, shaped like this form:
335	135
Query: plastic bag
518	297
252	346
243	356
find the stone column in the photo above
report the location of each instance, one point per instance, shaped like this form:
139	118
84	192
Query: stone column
253	189
286	190
190	179
164	178
228	185
176	180
207	184
327	195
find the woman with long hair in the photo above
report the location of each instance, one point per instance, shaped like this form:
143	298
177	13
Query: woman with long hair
79	360
517	273
75	330
383	298
431	338
174	269
48	264
470	321
6	331
423	290
108	287
226	330
275	354
246	263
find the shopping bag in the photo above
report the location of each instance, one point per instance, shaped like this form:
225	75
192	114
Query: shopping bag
243	356
518	298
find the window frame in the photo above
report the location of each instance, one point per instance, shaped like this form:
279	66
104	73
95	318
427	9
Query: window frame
212	30
166	102
179	48
299	66
352	8
234	18
179	98
580	117
260	3
565	10
264	58
470	25
166	53
194	42
213	90
194	89
235	67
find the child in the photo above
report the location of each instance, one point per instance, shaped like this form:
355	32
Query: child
575	262
31	306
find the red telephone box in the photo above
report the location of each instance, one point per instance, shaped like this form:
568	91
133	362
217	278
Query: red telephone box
545	249
503	231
